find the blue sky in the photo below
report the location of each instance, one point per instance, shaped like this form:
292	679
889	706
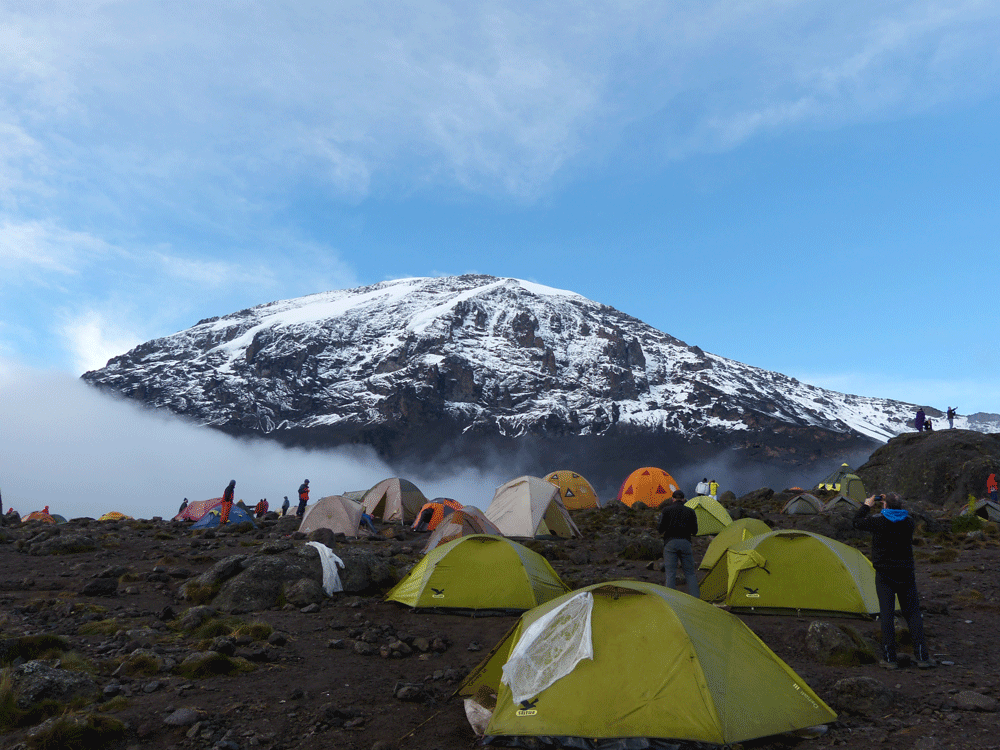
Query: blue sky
809	187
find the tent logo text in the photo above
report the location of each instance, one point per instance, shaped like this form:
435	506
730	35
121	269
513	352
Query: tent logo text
438	593
752	593
528	708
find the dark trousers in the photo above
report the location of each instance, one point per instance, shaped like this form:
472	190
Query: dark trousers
679	551
890	584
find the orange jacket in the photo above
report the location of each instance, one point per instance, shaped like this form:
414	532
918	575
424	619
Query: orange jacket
991	483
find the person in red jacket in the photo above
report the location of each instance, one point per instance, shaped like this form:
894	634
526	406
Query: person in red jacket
991	487
227	501
303	499
261	508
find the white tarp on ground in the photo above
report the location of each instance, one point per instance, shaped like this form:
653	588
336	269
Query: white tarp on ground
331	577
550	648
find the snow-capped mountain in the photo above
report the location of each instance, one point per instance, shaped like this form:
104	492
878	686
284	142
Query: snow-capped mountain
413	363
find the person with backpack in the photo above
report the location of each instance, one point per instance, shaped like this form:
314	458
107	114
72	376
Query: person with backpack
303	499
892	558
678	523
702	487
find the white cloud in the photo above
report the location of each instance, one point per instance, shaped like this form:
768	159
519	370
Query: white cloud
93	338
31	246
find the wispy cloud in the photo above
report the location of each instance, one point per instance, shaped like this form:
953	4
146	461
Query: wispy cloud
31	246
92	338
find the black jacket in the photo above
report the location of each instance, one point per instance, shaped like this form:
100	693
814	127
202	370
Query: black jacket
892	541
678	522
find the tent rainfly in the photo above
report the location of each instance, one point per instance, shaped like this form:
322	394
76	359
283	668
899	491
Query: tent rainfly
712	516
803	504
196	510
530	507
334	512
394	500
738	531
479	572
575	491
793	571
628	660
845	482
648	485
468	520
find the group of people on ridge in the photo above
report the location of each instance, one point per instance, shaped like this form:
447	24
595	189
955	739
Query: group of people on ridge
892	558
706	487
923	423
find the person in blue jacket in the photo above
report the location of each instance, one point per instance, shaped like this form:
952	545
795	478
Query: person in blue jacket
892	558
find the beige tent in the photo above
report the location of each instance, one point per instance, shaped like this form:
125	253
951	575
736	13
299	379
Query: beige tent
468	520
804	503
334	512
394	499
528	507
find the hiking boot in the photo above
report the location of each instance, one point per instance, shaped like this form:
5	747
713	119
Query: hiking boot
926	663
888	665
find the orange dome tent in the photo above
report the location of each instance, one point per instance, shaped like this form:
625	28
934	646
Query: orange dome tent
647	485
39	515
440	506
575	491
115	516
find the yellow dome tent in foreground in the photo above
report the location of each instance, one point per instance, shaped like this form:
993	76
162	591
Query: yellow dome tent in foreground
575	491
479	572
630	659
793	571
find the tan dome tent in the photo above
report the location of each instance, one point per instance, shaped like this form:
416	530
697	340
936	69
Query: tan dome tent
469	520
738	531
803	504
394	500
846	482
647	485
334	512
793	571
629	660
479	572
575	491
529	507
712	517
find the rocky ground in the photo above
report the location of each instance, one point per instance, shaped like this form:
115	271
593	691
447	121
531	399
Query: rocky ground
146	633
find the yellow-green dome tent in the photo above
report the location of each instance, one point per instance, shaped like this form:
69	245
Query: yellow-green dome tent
738	531
631	659
712	517
479	572
793	571
846	482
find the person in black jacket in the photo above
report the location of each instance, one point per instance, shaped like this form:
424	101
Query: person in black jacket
892	558
678	523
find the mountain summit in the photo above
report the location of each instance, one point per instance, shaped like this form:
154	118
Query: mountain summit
419	366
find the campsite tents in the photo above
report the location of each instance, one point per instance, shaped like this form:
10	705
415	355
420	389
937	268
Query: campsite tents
984	509
196	510
528	507
846	482
479	572
803	504
115	516
712	517
647	485
38	515
394	499
211	519
468	520
433	512
575	491
841	503
738	531
789	570
631	659
334	512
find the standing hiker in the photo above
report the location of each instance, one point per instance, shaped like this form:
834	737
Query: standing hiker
303	499
892	558
678	523
227	502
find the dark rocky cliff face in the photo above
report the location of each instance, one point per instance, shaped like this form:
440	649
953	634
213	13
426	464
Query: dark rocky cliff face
477	367
942	467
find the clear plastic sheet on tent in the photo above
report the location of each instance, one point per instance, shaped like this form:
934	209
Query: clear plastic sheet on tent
550	648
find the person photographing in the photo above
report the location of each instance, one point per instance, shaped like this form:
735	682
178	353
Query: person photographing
892	558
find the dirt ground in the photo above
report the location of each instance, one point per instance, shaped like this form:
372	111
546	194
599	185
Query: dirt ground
311	689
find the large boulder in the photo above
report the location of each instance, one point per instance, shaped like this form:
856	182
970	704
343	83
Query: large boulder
941	468
36	681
